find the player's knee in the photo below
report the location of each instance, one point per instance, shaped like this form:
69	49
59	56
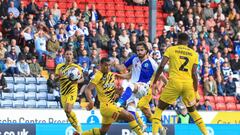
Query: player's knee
191	109
68	111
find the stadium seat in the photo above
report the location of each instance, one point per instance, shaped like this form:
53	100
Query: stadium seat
230	99
41	104
18	80
19	96
100	6
127	8
138	8
220	106
76	105
50	97
31	88
62	5
30	80
120	19
42	96
9	79
52	104
129	14
30	104
130	20
119	7
110	6
120	14
140	20
42	88
6	103
139	14
109	1
110	13
213	106
18	104
231	106
19	87
201	99
10	86
238	107
41	80
219	99
6	96
30	96
210	98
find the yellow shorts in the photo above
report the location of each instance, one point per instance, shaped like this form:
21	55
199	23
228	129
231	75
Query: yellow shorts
109	112
68	99
175	89
144	101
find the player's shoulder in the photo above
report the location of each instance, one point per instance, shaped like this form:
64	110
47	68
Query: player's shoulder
60	65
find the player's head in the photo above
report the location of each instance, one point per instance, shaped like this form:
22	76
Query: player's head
68	55
142	49
183	39
105	65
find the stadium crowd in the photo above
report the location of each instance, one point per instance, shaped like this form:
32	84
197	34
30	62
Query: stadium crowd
33	39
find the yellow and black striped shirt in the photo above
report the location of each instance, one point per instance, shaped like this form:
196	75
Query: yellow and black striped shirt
66	85
105	86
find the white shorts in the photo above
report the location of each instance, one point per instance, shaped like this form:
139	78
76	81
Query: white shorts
142	90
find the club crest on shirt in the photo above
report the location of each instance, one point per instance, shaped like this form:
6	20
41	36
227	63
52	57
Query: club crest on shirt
146	65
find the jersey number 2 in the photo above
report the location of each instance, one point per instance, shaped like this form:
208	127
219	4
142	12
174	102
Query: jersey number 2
182	67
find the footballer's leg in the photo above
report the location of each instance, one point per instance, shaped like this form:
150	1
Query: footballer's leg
127	116
168	96
189	99
70	114
98	131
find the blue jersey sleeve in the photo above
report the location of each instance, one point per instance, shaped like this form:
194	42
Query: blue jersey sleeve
129	61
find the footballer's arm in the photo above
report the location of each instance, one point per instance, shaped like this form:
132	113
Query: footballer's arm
160	68
195	77
88	92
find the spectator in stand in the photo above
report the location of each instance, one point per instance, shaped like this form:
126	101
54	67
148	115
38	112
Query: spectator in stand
94	57
3	50
123	39
168	6
50	22
11	68
226	71
131	29
207	106
3	9
8	25
207	11
213	42
84	58
56	12
14	10
28	38
22	8
59	57
3	83
75	8
26	53
210	86
82	28
14	44
170	19
32	8
236	44
95	15
184	117
71	28
53	45
226	54
86	14
40	44
218	59
235	64
53	88
230	87
12	54
103	38
219	15
23	67
35	68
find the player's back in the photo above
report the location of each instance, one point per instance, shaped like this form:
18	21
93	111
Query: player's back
105	86
181	61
